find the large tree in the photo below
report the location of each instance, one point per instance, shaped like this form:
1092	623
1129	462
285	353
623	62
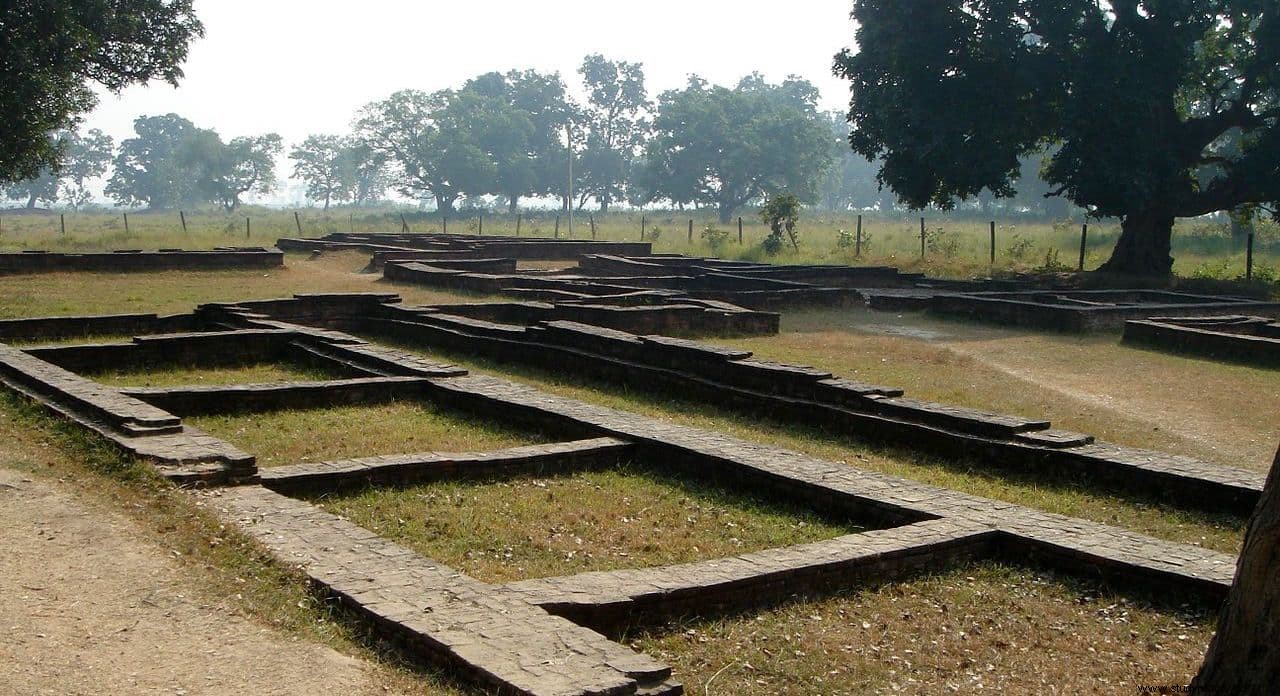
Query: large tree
615	128
171	162
728	147
84	157
1244	655
321	162
403	129
160	166
53	51
1137	94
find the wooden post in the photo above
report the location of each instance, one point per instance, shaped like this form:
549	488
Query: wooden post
557	226
1248	259
519	217
993	242
739	229
642	228
404	224
592	220
690	230
922	238
62	220
246	228
480	225
183	217
444	224
857	239
1084	238
352	221
126	223
297	220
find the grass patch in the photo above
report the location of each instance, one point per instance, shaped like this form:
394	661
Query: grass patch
1063	495
227	568
504	530
171	292
309	435
981	628
187	375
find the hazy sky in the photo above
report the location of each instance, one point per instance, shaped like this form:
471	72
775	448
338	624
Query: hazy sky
299	67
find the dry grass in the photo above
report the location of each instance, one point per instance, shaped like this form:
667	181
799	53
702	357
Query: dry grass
1063	495
171	292
188	375
983	628
311	435
227	569
1093	384
531	527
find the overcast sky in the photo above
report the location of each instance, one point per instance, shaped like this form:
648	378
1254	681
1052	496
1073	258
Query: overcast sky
297	67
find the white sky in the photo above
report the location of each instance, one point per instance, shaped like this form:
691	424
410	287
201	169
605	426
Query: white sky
298	67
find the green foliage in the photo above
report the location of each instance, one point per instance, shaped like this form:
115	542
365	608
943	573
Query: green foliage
616	98
727	147
1019	247
1140	98
84	157
780	213
845	240
171	162
939	241
53	50
1051	263
715	237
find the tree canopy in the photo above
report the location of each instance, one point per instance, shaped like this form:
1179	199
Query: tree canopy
171	162
84	157
1137	96
53	50
727	147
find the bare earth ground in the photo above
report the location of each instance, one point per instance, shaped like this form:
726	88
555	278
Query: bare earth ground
87	606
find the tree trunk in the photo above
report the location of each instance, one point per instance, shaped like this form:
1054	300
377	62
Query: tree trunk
725	212
1244	655
1144	245
604	203
513	203
327	195
31	202
444	204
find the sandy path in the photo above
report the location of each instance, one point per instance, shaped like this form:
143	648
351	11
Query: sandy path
88	606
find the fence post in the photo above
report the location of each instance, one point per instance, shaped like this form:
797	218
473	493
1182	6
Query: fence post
922	238
62	220
519	217
126	223
642	228
246	228
557	227
183	217
352	222
1084	238
404	224
993	242
739	229
297	220
445	224
690	230
857	240
1248	259
592	219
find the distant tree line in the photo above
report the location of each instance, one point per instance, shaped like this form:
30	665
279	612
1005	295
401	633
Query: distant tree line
500	138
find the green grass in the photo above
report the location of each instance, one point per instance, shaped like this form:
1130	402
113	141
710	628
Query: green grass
191	375
172	292
312	435
957	246
530	527
1059	494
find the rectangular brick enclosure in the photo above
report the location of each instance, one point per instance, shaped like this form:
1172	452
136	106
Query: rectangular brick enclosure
1088	310
1244	339
557	635
130	260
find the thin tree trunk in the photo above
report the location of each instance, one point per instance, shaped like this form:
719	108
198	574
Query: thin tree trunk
1244	655
31	202
1144	245
513	203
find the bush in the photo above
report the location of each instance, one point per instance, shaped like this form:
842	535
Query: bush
772	244
714	237
1019	247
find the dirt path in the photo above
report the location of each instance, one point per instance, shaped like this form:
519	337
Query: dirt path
88	606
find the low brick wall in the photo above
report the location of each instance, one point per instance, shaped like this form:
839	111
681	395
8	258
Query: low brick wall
1203	340
53	328
1084	311
133	261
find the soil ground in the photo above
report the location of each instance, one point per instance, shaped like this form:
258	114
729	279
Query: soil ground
88	606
